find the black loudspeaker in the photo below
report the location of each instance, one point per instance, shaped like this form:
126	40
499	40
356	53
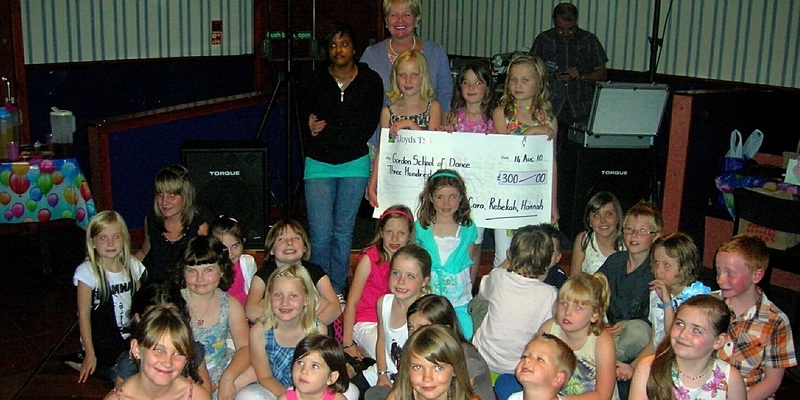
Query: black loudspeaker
231	178
627	173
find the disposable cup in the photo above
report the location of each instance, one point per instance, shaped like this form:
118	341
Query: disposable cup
12	148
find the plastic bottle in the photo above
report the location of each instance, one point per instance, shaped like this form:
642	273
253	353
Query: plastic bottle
16	115
6	131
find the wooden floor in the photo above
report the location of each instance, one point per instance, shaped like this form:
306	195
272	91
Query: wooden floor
36	312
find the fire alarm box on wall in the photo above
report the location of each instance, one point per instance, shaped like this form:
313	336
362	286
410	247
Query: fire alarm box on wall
216	32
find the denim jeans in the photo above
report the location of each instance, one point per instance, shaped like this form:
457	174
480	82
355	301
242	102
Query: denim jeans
332	205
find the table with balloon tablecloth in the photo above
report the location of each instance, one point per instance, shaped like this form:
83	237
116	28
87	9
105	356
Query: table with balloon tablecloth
43	190
41	197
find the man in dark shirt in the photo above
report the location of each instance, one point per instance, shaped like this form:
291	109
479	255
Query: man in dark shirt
575	59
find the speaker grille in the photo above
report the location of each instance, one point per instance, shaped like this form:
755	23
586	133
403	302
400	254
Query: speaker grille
627	173
231	178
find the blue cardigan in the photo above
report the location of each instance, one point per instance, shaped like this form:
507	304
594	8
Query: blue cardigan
457	261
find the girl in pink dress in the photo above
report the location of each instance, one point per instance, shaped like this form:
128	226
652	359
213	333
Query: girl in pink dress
228	231
471	111
472	102
371	281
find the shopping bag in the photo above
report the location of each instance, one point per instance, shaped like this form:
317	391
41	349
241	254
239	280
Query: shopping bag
774	239
728	181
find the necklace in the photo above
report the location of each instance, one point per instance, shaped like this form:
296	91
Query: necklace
164	234
694	378
342	83
167	233
201	320
392	48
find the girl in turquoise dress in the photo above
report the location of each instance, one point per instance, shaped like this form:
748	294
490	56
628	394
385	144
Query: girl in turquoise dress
445	229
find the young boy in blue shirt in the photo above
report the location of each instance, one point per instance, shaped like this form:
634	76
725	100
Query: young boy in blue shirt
629	275
555	276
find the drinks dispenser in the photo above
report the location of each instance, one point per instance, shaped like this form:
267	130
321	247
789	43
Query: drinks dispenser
62	124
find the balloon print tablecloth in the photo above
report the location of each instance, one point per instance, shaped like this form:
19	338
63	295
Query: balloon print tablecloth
44	190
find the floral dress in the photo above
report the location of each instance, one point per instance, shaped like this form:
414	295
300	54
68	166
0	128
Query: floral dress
716	386
584	379
218	355
463	124
516	127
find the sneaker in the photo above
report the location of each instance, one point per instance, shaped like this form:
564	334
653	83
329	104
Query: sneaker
73	360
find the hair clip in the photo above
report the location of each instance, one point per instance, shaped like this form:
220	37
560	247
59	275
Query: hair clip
228	217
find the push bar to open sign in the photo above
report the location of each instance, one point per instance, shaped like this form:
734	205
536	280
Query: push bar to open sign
281	35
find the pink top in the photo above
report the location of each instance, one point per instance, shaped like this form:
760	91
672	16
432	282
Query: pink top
292	395
377	285
465	125
237	287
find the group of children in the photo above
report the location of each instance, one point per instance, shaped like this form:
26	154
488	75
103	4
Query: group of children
631	313
209	284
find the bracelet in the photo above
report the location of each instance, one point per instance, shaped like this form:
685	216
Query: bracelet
387	373
350	345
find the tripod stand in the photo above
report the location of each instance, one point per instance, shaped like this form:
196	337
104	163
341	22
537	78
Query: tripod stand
287	78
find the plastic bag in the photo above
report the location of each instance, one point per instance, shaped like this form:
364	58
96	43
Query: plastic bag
740	151
752	144
736	145
733	159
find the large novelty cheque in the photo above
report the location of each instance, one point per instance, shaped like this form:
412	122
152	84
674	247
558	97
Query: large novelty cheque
508	177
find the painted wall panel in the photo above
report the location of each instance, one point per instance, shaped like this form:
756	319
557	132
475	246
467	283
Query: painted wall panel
58	31
753	41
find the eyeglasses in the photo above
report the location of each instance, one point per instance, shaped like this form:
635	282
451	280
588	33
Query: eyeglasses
640	232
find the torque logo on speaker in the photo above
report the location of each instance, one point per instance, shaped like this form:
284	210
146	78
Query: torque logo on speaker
224	173
618	173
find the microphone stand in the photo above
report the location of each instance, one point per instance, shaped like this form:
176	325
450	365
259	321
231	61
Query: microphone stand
287	78
655	41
